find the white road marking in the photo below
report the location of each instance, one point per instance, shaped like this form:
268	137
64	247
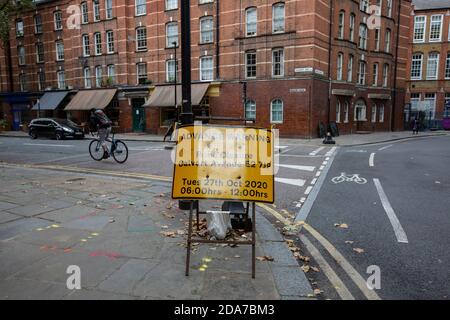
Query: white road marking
282	147
313	182
48	145
64	158
330	153
399	232
293	182
384	148
318	173
315	152
303	168
322	167
308	190
145	149
371	160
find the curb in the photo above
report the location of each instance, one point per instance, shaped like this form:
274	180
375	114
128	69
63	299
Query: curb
393	139
90	138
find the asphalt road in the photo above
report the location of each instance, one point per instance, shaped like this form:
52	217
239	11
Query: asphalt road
407	235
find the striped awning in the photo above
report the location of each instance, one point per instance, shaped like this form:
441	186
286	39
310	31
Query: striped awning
88	99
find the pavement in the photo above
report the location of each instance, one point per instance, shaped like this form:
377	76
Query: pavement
343	140
127	237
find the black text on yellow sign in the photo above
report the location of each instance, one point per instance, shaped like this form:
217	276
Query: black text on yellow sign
224	163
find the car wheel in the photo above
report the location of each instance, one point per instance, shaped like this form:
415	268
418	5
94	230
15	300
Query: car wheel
33	134
59	136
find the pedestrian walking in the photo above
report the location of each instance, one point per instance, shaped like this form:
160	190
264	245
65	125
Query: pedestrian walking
415	126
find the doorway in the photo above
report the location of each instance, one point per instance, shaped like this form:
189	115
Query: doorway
139	123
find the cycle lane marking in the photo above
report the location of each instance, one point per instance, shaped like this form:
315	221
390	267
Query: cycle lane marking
372	160
398	230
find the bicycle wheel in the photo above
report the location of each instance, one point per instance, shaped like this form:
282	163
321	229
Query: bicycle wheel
95	150
120	153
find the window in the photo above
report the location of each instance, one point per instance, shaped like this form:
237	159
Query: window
389	8
21	55
141	73
278	17
375	75
141	8
98	43
340	61
447	103
41	81
338	111
84	13
250	64
433	66
141	38
108	9
276	111
416	66
86	45
350	68
23	82
352	27
206	68
387	41
360	111
19	28
278	62
206	30
171	4
364	5
346	108
172	34
447	66
385	75
96	10
61	78
436	28
362	73
251	22
363	36
419	28
111	74
205	1
415	100
170	70
250	110
59	50
381	116
110	41
58	20
374	113
39	52
431	99
98	76
341	25
38	23
377	39
87	77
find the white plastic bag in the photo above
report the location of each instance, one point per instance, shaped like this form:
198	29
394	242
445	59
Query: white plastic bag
219	224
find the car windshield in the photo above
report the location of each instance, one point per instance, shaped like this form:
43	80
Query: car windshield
66	122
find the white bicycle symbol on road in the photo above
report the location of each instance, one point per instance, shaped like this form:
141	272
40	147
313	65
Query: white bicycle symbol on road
349	178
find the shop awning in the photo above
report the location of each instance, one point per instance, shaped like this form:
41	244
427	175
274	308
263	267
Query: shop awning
88	99
164	96
51	100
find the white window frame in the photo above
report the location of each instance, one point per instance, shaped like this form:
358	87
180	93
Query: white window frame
374	113
247	66
385	75
170	27
434	60
98	44
341	24
19	28
110	47
138	76
87	77
377	39
278	17
375	70
280	111
352	27
171	64
251	23
96	10
350	63
387	41
250	110
432	24
279	64
21	54
363	113
338	111
363	30
37	26
447	67
419	29
111	75
416	62
362	69
98	76
84	8
206	29
340	66
59	54
61	79
140	7
389	8
346	111
206	73
86	45
109	9
141	38
381	114
57	16
171	4
39	55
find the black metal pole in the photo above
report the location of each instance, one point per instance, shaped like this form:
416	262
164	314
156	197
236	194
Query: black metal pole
187	117
175	80
39	108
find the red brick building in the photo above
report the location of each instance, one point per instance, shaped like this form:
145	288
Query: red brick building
429	63
299	67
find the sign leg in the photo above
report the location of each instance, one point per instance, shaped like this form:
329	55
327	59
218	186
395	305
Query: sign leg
188	253
253	241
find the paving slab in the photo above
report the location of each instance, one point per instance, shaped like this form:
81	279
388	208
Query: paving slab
280	252
70	213
6	217
94	223
30	210
291	282
7	205
14	228
22	289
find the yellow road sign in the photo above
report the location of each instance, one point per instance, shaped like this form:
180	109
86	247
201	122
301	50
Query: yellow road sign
224	163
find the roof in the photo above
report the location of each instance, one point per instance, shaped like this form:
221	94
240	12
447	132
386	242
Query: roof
164	96
88	99
51	100
431	4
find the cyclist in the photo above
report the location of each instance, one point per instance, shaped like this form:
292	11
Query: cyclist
101	123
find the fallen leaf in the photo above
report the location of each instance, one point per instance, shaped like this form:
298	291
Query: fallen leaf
358	250
305	268
237	256
341	225
169	234
181	232
349	242
315	269
317	292
265	258
164	227
304	258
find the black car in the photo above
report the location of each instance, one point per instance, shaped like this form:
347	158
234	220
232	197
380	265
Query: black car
55	128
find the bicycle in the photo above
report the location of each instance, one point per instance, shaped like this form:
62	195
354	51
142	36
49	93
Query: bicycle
118	149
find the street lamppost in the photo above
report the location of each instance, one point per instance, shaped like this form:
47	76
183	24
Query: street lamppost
175	80
39	108
187	117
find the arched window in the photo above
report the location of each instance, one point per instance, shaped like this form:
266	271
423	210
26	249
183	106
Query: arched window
276	111
360	111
